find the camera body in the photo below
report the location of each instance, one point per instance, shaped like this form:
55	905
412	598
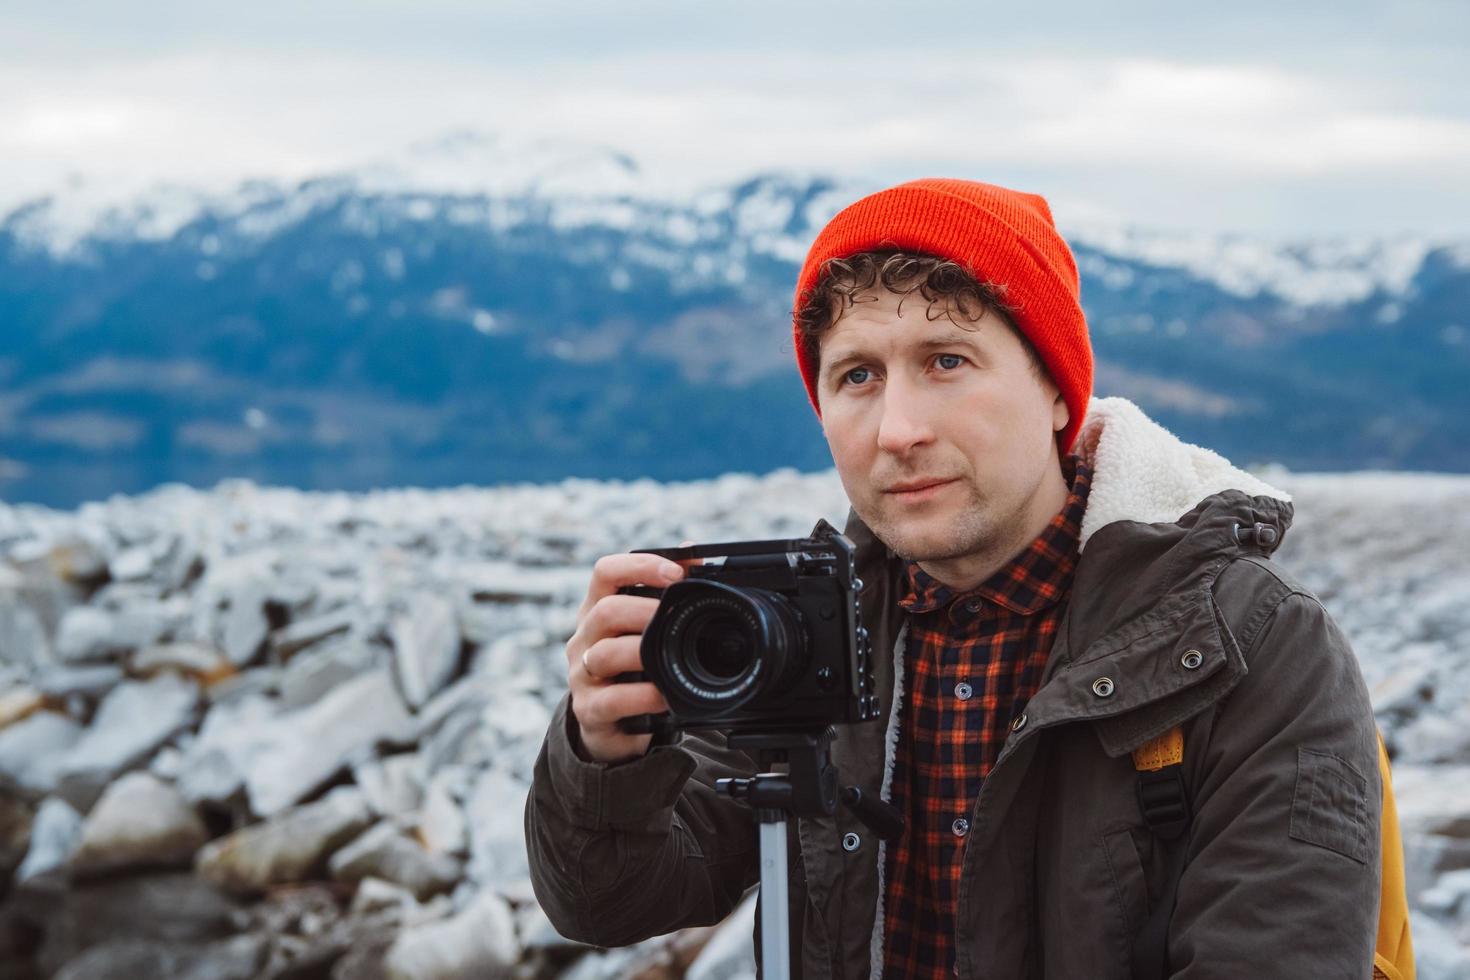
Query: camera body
769	640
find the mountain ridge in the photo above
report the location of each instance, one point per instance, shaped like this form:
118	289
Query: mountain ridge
346	332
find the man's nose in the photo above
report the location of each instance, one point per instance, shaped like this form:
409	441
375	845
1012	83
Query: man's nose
905	421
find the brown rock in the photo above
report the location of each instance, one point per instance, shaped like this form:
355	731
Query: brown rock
292	846
138	822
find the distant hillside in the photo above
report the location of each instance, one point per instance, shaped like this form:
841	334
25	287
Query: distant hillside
466	314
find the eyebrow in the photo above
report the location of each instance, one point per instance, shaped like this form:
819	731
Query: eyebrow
844	358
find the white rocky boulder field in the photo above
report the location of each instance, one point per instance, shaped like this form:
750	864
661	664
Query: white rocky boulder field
266	733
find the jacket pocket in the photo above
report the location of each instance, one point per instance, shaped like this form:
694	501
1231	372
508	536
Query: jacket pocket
1330	805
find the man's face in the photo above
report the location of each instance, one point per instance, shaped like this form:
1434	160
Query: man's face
907	400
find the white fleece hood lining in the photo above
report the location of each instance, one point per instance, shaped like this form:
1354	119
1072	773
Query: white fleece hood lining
1140	472
1143	472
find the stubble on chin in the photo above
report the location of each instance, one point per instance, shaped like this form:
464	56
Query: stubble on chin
959	533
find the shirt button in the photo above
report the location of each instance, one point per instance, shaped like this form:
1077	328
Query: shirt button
973	605
961	827
963	691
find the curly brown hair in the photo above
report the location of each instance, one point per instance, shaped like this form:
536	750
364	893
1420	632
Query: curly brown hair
941	281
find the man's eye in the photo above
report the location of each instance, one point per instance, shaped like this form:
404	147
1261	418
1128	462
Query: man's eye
848	377
953	357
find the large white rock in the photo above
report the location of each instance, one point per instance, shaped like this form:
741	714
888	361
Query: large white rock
384	852
236	735
515	659
54	835
139	821
95	632
495	813
425	646
292	846
537	932
375	895
471	692
1438	955
393	785
133	563
90	680
1450	896
33	750
23	636
302	633
730	954
479	942
326	666
1438	738
441	823
86	633
1432	799
520	720
304	748
243	630
132	721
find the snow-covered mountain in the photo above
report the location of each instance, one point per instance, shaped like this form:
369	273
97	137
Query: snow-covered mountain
589	184
482	309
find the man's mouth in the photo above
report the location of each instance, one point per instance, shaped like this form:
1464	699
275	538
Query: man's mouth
916	489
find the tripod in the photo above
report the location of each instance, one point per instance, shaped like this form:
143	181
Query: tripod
808	789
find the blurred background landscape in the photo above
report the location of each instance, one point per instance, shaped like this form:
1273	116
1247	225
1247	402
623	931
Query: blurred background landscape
484	310
336	344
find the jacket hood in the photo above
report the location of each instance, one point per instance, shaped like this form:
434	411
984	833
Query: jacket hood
1143	472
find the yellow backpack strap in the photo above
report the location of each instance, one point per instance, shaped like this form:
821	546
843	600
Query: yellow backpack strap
1158	763
1156	753
1393	956
1164	803
1161	794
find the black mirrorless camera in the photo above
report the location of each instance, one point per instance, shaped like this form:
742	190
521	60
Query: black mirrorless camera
769	640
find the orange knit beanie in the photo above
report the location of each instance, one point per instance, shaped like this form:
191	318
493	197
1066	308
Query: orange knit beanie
1000	235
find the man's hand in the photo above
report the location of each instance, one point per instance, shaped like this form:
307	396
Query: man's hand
609	633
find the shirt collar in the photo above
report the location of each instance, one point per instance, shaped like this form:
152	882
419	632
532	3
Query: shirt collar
1036	578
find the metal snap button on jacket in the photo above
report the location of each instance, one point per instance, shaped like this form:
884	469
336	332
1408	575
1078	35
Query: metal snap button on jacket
1019	723
1103	687
1191	659
963	691
961	827
973	605
851	842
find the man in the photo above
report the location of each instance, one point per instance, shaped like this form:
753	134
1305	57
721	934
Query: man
1062	589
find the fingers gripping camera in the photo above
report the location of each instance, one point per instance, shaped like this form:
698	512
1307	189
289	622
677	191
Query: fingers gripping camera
770	639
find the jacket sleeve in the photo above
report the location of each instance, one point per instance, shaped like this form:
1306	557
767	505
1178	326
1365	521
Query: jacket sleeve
1282	872
623	851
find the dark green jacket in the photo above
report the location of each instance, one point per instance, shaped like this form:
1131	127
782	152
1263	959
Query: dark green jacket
1282	872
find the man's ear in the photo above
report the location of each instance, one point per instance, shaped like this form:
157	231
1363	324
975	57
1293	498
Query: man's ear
1060	413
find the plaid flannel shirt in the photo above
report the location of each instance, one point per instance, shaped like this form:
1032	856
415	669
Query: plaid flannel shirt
974	659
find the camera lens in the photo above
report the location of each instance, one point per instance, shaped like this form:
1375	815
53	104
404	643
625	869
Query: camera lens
721	649
714	648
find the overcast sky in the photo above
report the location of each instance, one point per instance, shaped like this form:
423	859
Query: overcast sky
1289	119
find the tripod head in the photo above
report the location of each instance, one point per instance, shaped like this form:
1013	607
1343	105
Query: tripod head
810	787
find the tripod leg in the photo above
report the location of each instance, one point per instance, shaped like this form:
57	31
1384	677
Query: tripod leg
775	901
